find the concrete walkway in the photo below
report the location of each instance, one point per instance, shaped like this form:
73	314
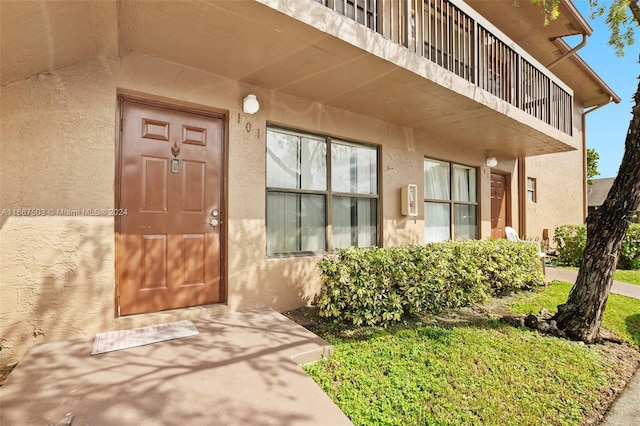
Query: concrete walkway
625	411
570	275
242	369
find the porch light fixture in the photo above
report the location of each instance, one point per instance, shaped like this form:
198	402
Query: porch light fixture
250	104
492	162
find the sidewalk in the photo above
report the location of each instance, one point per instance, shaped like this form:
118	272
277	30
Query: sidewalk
241	369
625	411
570	275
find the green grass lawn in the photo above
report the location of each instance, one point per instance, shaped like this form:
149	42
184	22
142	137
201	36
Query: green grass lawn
488	373
626	276
464	376
622	315
631	277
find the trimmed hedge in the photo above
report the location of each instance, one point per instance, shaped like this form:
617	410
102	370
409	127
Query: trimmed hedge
572	239
378	286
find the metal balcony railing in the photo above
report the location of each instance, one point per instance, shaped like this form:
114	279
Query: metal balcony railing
443	33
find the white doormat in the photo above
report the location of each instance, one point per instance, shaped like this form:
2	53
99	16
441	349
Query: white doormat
125	339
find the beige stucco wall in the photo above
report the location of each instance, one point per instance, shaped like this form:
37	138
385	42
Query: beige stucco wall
559	192
560	185
284	283
59	138
56	271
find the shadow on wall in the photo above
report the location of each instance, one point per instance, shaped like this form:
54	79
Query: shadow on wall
282	283
285	283
73	296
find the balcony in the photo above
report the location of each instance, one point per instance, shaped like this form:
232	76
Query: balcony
445	73
443	33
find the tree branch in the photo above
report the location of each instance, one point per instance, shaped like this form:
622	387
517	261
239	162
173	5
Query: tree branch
635	10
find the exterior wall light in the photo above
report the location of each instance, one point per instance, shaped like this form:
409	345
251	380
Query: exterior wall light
250	104
492	162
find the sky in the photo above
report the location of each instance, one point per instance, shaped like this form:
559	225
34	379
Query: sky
607	127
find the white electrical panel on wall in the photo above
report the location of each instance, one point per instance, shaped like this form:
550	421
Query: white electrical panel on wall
409	199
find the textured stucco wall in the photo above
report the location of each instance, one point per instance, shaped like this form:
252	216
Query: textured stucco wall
57	266
252	278
559	192
560	185
59	139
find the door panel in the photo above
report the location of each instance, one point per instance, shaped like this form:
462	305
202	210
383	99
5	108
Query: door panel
154	253
193	257
498	205
154	184
168	250
193	186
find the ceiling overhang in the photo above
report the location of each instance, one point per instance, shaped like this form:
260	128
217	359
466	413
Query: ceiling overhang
257	45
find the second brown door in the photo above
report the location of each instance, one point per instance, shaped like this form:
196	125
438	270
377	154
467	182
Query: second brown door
498	205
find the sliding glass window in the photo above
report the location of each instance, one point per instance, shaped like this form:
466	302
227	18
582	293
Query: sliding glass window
302	206
450	201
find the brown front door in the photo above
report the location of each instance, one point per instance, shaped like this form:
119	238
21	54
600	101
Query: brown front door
498	205
170	197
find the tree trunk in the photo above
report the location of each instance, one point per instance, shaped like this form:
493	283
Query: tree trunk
580	317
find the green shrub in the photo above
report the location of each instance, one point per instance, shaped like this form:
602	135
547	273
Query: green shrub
358	287
436	277
630	249
572	239
379	286
508	266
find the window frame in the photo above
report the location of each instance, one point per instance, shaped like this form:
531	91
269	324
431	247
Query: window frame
533	190
328	192
451	202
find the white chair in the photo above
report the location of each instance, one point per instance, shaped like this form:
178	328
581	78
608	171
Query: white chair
512	235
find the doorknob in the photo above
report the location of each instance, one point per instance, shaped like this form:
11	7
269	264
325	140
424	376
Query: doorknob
214	222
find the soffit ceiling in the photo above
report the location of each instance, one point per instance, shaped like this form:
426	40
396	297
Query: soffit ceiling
40	36
252	43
